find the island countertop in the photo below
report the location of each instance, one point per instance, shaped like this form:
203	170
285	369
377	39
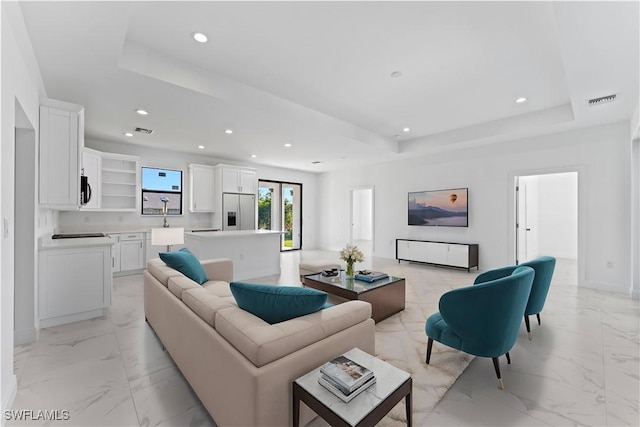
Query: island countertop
230	233
255	253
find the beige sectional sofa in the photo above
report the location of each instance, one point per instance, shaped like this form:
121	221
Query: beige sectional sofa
240	366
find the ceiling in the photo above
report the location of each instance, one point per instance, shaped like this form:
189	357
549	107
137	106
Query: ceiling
318	75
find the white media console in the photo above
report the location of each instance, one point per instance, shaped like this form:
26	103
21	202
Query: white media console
460	255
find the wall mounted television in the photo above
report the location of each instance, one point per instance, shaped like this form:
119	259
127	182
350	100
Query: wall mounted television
439	208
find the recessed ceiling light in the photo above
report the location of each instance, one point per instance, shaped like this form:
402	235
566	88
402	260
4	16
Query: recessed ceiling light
228	131
406	130
287	145
201	147
199	37
129	134
253	156
521	100
142	112
396	74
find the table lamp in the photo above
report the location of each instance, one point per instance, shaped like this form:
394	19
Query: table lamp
167	236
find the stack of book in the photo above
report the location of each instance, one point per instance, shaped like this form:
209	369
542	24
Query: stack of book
370	276
345	378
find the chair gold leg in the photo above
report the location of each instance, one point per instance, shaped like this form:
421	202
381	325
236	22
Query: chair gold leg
500	384
530	339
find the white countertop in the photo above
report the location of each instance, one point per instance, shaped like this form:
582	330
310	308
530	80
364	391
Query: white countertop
230	233
46	242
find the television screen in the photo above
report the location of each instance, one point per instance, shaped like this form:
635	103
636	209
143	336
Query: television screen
439	208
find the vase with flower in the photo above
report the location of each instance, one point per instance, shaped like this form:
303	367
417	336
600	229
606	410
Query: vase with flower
351	254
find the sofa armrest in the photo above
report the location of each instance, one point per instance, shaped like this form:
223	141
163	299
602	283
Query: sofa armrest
218	269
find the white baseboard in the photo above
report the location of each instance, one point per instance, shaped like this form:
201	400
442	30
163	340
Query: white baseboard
60	320
9	396
25	336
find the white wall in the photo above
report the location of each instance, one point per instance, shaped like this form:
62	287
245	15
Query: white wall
175	160
20	82
599	154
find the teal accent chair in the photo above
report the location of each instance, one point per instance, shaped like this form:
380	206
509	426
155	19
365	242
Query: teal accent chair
544	267
482	319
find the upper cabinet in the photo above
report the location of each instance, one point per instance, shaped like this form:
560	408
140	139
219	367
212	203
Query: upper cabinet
237	179
119	182
201	190
61	141
112	181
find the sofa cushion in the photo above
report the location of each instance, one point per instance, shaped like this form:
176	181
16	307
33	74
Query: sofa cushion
263	343
178	284
218	288
275	304
186	263
162	271
205	304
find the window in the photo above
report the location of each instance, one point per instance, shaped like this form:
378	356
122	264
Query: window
161	188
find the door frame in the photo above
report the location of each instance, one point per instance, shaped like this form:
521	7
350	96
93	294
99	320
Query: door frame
281	208
582	211
352	192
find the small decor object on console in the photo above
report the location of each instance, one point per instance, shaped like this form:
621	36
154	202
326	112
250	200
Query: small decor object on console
351	254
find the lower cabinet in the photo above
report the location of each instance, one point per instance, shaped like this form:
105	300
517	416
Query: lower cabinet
74	284
128	253
461	255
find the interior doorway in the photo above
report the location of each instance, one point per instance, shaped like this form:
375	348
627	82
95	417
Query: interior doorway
25	242
280	208
546	216
362	220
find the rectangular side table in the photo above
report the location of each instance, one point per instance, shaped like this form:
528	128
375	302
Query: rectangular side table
366	409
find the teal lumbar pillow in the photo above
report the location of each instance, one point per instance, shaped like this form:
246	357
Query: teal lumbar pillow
275	304
186	263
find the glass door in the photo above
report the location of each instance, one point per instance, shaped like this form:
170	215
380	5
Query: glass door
280	208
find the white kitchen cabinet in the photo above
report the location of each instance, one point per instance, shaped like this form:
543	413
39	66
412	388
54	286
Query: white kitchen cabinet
460	255
74	283
61	141
128	253
91	166
236	179
119	182
131	251
201	189
115	252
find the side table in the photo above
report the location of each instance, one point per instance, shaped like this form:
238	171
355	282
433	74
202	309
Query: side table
366	409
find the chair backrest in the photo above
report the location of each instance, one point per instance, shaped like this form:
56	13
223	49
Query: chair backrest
487	316
544	267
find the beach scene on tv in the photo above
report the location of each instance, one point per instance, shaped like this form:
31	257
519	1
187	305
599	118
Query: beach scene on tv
441	207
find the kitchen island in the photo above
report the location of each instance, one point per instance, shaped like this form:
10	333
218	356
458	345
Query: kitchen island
255	253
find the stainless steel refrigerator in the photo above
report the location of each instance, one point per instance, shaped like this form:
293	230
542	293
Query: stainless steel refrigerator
239	211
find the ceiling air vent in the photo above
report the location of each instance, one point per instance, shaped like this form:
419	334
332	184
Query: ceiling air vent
143	130
602	100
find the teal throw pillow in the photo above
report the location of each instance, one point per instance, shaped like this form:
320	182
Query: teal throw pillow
275	304
186	263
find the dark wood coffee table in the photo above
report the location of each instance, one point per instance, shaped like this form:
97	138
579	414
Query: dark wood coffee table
386	296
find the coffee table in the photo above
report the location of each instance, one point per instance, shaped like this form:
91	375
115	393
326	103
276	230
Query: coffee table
367	408
387	296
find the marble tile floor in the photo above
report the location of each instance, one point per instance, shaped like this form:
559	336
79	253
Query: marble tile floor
582	367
